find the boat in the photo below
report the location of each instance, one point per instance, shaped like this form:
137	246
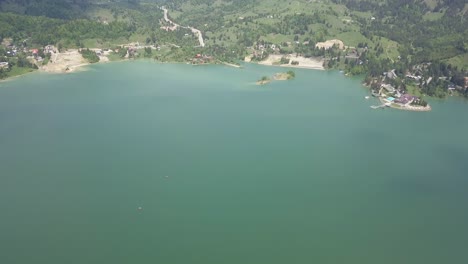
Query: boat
367	97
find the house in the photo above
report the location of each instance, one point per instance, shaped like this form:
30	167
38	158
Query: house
391	74
397	94
451	86
3	65
414	77
406	99
388	87
429	80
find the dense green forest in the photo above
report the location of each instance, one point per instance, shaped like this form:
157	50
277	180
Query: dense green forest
380	35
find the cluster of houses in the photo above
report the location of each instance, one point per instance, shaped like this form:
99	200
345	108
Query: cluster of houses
201	59
33	54
416	74
392	95
11	50
49	49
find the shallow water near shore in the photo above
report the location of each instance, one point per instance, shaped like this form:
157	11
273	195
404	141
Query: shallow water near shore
225	171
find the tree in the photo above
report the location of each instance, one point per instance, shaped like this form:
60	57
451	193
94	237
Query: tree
148	52
89	55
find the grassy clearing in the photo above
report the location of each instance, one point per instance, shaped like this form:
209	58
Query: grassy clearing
461	61
431	3
433	16
366	15
16	71
114	57
98	43
101	14
277	38
390	48
414	90
352	38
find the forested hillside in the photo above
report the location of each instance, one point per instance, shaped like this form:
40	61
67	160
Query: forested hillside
65	9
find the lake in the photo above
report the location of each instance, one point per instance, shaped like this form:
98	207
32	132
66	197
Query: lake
140	162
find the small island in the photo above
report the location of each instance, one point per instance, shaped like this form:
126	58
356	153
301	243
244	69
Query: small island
283	76
280	76
264	80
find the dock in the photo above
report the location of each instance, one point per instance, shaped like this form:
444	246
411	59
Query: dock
380	106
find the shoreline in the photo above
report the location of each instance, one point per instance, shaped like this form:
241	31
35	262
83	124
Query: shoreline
304	63
17	76
63	63
82	67
231	65
409	108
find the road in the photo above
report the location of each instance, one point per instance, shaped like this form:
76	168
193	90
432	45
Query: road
195	31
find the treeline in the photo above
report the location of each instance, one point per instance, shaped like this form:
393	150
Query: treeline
89	55
435	77
20	62
62	9
421	40
425	45
43	31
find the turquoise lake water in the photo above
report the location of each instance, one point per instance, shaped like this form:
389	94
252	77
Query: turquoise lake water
300	171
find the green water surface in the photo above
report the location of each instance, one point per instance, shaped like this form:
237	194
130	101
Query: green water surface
300	171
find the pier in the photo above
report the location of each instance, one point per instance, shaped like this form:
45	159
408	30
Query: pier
380	106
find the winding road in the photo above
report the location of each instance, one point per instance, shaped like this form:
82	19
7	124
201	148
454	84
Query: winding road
195	31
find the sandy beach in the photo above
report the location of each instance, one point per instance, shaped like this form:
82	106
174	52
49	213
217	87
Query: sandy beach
69	61
64	62
304	63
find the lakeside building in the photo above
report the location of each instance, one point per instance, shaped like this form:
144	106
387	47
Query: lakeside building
406	99
388	87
